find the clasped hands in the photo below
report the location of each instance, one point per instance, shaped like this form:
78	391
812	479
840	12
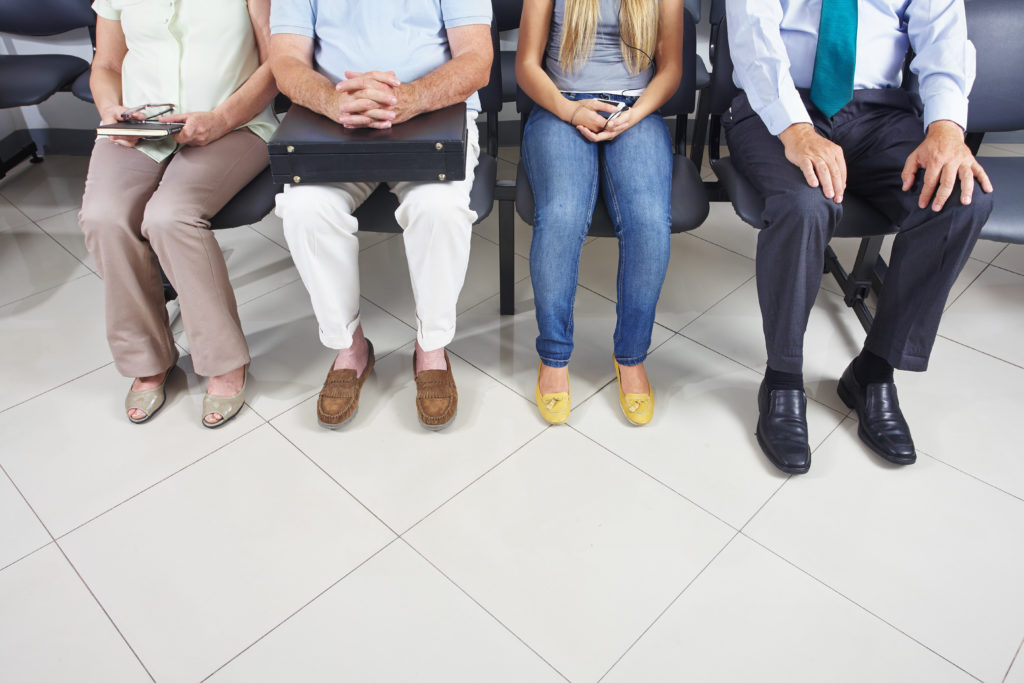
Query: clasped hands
942	155
592	125
374	99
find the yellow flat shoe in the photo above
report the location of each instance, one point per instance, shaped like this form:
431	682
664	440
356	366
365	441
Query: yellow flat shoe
638	408
553	407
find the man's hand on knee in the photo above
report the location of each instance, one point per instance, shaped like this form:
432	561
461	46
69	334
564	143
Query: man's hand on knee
944	158
821	160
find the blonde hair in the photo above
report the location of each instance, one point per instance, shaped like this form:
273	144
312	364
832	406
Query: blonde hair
638	28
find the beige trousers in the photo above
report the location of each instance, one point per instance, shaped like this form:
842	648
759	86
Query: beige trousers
136	211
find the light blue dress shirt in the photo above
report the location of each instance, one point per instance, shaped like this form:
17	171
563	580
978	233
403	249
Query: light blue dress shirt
408	37
773	43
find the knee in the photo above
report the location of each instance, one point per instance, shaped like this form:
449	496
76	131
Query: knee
160	221
977	212
562	218
305	210
805	210
103	222
437	209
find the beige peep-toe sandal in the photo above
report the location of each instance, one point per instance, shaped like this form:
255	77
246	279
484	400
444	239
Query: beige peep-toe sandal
226	406
148	401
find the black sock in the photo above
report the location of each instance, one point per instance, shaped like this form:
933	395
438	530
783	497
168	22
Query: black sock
774	379
871	369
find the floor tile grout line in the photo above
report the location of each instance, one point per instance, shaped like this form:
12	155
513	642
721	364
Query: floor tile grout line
1016	656
857	604
1002	268
984	353
301	608
977	478
712	306
36	514
50	289
672	602
154	484
27	555
58	243
15	207
965	289
481	606
847	413
653	478
475	480
722	246
103	609
789	477
330	476
28	503
56	387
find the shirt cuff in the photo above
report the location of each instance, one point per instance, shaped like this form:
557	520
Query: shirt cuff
950	106
467	21
306	31
784	112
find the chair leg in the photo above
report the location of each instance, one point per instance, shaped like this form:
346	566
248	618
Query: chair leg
867	274
14	149
506	245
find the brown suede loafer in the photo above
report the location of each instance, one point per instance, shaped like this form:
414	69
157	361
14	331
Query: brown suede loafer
437	399
339	399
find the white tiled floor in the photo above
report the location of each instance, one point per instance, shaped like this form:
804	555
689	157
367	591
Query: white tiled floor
501	549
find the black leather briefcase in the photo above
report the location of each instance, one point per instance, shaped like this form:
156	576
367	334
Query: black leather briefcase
310	148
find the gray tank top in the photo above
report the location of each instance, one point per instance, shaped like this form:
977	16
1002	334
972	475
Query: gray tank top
604	71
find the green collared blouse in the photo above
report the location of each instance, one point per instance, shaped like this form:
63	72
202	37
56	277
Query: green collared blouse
192	53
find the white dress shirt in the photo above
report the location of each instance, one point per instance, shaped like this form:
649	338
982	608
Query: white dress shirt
773	43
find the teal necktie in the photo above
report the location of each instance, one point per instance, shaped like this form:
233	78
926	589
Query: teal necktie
836	56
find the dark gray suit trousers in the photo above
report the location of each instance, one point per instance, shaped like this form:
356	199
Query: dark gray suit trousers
877	132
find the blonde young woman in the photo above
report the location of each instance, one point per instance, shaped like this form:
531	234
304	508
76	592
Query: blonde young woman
150	201
578	60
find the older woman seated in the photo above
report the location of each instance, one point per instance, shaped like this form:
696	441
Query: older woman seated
148	203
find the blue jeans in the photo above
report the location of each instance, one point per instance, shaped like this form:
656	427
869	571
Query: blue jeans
635	174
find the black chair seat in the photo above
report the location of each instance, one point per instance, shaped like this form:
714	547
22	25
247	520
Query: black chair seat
689	200
860	219
250	204
377	213
1006	223
30	79
80	88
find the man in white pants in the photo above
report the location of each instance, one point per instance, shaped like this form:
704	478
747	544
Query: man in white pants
365	65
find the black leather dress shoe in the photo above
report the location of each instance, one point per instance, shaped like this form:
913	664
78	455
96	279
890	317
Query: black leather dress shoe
881	426
782	428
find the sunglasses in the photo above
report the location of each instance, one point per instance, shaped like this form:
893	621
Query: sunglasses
146	114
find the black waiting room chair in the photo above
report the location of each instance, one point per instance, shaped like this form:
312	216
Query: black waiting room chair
30	79
995	27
